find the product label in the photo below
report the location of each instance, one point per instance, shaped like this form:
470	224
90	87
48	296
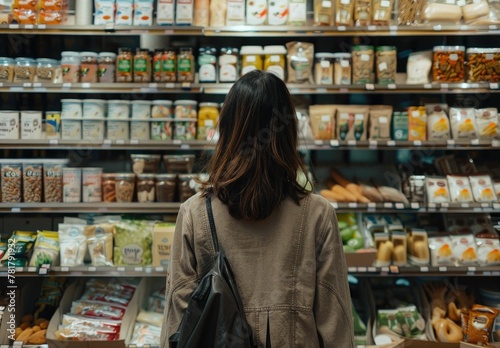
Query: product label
132	254
124	66
207	73
9	127
140	65
184	65
169	65
157	66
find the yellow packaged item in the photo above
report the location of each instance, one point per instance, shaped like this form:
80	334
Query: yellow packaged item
482	188
323	121
464	249
487	123
460	190
46	250
251	58
463	124
417	123
208	115
437	190
438	125
275	61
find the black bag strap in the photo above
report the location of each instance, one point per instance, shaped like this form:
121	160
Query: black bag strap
211	221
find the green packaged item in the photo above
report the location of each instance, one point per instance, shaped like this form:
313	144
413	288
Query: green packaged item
46	250
19	246
133	241
404	321
400	126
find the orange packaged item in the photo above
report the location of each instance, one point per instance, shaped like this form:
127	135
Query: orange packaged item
448	64
25	16
417	123
52	5
481	319
25	5
50	17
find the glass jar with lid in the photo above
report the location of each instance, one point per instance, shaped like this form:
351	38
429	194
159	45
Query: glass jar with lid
207	62
70	64
323	68
6	69
274	60
228	64
185	65
142	65
88	67
208	115
24	70
46	69
251	58
106	70
342	68
124	64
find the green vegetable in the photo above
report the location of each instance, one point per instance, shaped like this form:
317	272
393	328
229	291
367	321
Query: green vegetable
343	225
346	234
359	326
348	249
356	243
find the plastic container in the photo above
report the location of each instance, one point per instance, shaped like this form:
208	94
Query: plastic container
186	109
207	63
89	67
71	108
275	60
483	65
106	67
53	180
162	129
108	184
7	69
24	70
323	68
208	116
117	129
185	129
118	109
72	185
46	70
145	188
94	108
178	164
186	190
70	64
12	177
342	67
93	129
9	125
386	64
362	65
251	58
165	187
71	128
145	164
228	64
32	181
91	184
124	187
139	130
141	109
448	64
31	125
161	108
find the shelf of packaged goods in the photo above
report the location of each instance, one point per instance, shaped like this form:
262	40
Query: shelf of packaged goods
223	88
428	145
57	144
418	207
100	271
425	271
110	29
100	207
371	30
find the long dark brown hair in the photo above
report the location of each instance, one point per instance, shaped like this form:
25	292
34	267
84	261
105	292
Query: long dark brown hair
255	162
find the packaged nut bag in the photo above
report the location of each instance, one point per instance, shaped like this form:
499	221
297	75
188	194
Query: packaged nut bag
322	121
380	122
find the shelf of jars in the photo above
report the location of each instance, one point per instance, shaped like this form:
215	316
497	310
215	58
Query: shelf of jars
251	31
223	88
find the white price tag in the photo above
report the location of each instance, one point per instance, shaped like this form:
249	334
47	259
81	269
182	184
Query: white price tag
31	269
341	28
372	269
384	269
370	87
37	84
445	86
400	206
424	269
138	269
443	269
372	27
120	142
29	26
494	85
365	57
451	2
382	66
177	142
107	142
415	205
159	269
153	85
496	206
26	85
450	142
372	144
485	205
318	142
487	273
13	26
445	205
326	4
391	86
42	26
431	205
170	85
372	206
477	209
495	143
417	143
92	269
388	205
436	28
461	3
86	85
474	85
392	27
345	2
471	269
120	269
185	147
465	205
64	269
352	269
109	26
385	3
352	205
66	85
428	86
362	269
334	143
134	142
391	143
495	273
351	142
15	210
319	90
343	90
335	205
492	27
474	142
43	271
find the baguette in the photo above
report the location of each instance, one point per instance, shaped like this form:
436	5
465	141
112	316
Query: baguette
356	190
332	196
349	197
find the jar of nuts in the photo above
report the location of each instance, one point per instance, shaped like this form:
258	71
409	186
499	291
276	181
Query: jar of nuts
32	181
24	70
46	70
145	188
6	69
11	182
53	180
108	188
124	187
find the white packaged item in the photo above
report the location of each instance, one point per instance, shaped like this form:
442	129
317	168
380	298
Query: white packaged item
117	130
9	125
463	124
139	130
124	12
441	252
118	109
218	9
71	128
91	184
482	188
72	185
278	12
460	190
94	108
31	125
257	12
93	130
418	67
464	250
438	125
141	109
143	12
488	251
71	108
104	12
437	190
235	12
228	67
184	12
298	12
83	12
487	123
165	12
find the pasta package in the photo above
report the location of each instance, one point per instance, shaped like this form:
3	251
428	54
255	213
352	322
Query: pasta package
482	188
438	125
344	12
463	124
437	190
464	249
324	13
380	122
323	121
300	59
352	122
417	123
460	190
487	123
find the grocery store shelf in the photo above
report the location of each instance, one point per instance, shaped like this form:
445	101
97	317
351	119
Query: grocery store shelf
140	208
418	207
428	145
425	271
223	88
42	29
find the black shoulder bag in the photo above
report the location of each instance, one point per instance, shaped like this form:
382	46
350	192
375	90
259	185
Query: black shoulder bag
214	316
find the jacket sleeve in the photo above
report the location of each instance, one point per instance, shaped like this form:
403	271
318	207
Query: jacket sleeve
182	278
332	303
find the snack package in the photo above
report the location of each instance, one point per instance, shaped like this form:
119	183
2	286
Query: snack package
344	12
435	12
143	12
150	318
114	297
72	250
441	253
324	14
74	321
235	12
464	250
22	244
298	12
385	249
417	123
382	11
460	190
300	59
184	14
124	12
352	122
256	12
481	319
404	321
437	190
400	126
438	125
46	249
97	310
418	247
133	240
362	12
84	334
100	248
418	68
488	251
165	12
278	12
380	122
399	256
482	188
104	12
322	121
145	334
487	123
463	124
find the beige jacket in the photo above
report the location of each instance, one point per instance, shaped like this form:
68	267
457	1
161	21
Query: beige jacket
289	268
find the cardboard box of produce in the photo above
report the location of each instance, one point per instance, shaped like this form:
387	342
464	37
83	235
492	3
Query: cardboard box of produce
361	258
163	237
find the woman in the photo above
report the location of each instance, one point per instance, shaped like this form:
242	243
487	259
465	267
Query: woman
282	241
